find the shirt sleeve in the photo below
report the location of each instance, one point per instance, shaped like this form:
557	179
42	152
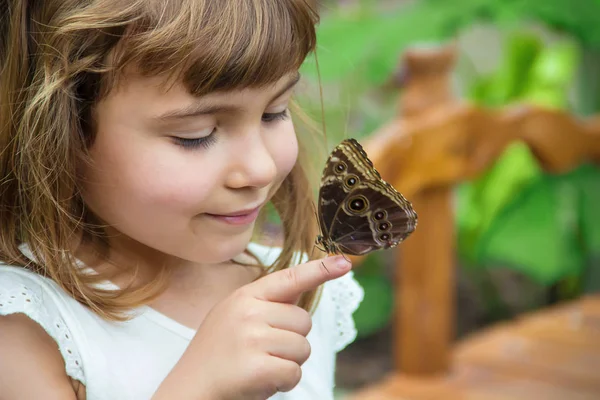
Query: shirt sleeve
333	329
345	294
25	292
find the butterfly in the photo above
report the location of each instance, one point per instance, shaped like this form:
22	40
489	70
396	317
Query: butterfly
359	212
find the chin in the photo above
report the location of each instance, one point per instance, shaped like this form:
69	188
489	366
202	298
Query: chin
221	249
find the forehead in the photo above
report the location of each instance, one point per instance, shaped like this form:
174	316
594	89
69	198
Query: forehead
133	83
148	98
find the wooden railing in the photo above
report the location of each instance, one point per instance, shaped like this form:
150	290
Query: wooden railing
436	142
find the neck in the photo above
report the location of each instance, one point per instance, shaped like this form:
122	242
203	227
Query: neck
123	259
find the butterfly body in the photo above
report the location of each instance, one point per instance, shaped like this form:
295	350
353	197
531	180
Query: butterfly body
358	211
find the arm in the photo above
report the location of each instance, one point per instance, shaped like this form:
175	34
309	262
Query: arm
31	366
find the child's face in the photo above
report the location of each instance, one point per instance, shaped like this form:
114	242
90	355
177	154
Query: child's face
171	195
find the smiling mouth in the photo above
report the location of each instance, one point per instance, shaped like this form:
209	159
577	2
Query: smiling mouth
242	217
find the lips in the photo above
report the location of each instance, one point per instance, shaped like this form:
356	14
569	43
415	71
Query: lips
241	217
239	213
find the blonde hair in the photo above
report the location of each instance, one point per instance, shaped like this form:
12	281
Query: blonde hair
60	57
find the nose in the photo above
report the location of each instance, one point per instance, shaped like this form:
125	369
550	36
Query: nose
252	164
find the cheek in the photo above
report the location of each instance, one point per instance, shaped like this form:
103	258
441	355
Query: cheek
170	188
173	182
145	177
284	150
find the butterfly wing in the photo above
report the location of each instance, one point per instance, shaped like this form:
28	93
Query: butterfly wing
374	216
358	211
346	167
349	158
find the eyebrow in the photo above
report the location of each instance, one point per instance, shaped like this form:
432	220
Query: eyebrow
195	110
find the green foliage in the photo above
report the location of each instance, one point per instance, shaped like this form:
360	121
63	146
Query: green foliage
510	80
550	230
536	233
541	225
480	202
365	45
551	76
587	179
357	52
577	17
530	74
376	308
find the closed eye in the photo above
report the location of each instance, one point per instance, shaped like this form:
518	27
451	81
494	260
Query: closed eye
209	140
273	117
205	141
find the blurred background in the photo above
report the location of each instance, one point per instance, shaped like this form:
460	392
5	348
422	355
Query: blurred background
525	239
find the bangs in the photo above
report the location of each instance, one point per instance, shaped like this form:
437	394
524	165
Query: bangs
216	45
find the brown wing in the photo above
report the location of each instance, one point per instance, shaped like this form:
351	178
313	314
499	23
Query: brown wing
385	217
374	216
346	168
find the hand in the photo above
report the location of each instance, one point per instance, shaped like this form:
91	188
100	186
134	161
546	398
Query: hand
251	345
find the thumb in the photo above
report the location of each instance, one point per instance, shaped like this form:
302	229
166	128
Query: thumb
285	286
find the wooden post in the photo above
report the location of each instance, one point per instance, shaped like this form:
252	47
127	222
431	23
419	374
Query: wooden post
425	299
425	296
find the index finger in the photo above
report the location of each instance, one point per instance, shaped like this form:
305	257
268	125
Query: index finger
286	285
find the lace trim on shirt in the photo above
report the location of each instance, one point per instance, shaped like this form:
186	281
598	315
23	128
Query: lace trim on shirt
21	299
347	295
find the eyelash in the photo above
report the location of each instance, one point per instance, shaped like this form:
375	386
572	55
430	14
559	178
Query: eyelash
209	140
205	141
272	117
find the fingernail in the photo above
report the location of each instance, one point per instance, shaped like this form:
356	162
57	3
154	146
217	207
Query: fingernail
341	262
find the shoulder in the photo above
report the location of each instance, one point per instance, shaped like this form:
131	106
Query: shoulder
34	314
338	300
31	362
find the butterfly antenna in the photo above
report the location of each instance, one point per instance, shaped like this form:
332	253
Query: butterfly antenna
321	98
318	225
316	213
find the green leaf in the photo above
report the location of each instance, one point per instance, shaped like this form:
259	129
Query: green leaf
552	75
342	46
537	233
520	52
587	179
375	311
545	82
481	201
366	46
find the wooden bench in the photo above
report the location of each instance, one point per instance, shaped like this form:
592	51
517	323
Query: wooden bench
435	143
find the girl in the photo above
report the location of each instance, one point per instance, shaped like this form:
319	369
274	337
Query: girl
140	140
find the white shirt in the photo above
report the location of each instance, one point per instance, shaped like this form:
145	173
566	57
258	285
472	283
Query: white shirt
129	360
